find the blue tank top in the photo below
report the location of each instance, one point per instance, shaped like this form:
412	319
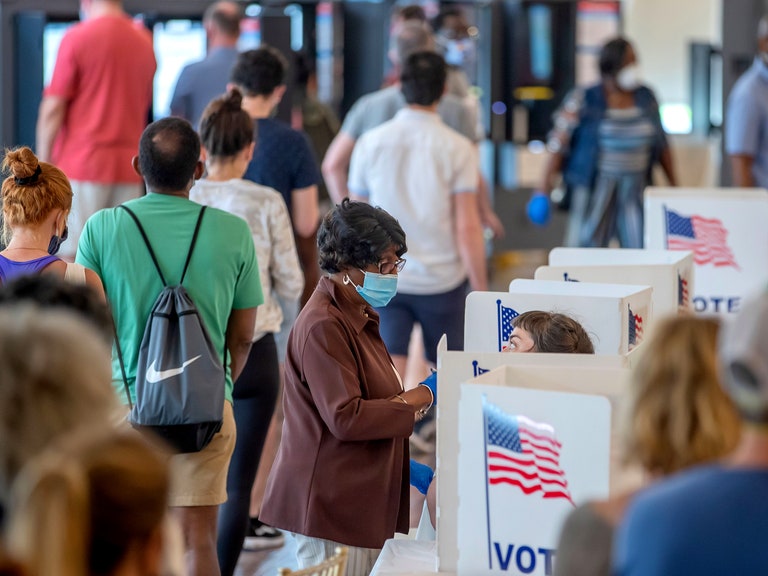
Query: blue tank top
10	269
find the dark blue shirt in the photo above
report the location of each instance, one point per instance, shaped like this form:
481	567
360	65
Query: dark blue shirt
283	159
710	520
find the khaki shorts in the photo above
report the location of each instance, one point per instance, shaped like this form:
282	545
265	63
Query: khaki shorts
200	478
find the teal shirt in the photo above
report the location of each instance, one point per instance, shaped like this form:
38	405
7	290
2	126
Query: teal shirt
223	274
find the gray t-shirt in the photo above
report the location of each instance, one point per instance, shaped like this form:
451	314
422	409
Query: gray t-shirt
378	107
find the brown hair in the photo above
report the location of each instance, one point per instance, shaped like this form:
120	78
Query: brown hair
32	190
679	415
225	128
552	332
82	505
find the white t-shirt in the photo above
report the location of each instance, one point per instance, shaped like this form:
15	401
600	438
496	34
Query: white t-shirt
267	216
410	167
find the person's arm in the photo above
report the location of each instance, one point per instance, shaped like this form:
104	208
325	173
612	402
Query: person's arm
306	215
668	166
741	166
180	105
284	268
469	238
49	121
336	165
93	281
238	337
552	168
487	215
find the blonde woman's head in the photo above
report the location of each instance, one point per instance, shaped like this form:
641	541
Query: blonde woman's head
92	504
679	415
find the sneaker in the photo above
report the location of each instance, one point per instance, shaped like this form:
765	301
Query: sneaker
260	536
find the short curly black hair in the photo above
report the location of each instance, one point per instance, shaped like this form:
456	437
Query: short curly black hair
355	235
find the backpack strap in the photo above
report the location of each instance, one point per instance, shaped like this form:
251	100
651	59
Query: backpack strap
152	253
146	242
192	244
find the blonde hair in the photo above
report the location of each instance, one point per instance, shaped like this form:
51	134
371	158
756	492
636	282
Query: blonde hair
679	414
28	195
56	375
78	508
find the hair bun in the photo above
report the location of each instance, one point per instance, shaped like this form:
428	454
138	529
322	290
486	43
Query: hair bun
22	162
234	100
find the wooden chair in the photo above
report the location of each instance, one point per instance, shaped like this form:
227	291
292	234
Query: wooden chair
334	566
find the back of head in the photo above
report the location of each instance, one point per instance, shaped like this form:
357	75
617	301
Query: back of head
224	18
169	151
56	376
355	234
82	505
412	36
423	78
612	56
32	190
49	291
679	414
259	72
412	13
447	14
744	353
554	333
225	128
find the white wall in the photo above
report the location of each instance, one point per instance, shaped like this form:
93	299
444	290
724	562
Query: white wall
661	31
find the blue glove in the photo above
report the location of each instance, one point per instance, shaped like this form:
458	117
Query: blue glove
421	476
538	209
431	383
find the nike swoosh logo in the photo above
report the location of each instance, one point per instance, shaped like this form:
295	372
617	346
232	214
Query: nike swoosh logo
153	376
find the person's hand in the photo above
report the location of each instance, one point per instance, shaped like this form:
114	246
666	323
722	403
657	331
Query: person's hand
431	383
421	476
538	209
491	221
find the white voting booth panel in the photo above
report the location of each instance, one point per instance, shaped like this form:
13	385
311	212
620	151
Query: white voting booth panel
668	272
613	315
726	231
604	376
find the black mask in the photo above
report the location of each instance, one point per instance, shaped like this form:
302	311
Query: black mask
57	241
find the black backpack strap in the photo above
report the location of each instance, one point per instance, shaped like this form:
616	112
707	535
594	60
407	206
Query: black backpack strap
146	242
192	244
122	364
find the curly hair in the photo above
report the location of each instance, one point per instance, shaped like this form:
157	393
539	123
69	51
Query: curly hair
679	414
355	235
552	332
32	190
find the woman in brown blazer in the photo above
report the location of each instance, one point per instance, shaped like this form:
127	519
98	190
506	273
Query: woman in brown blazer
341	474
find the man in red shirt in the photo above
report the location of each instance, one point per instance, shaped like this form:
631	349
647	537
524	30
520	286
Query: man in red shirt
95	108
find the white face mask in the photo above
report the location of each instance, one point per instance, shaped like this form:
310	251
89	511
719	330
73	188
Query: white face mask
628	77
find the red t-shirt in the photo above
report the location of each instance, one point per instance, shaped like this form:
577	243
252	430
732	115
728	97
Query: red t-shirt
104	69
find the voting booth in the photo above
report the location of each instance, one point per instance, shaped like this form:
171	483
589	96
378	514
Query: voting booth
668	272
527	438
726	231
615	316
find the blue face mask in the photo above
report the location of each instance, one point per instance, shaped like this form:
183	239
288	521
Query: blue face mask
377	289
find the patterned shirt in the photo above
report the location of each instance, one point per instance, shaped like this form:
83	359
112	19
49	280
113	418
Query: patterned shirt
267	217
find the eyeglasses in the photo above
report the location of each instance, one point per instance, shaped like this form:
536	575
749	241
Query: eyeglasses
390	267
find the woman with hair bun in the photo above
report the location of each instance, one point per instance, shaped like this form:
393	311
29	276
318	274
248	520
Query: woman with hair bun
227	137
37	198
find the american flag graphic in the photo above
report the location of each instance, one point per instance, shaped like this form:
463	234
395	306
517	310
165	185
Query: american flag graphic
682	291
477	370
523	454
706	237
504	316
635	328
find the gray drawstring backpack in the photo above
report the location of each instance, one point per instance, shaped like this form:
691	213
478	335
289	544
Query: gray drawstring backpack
180	380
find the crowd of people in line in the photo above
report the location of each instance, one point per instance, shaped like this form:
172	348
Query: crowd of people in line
310	314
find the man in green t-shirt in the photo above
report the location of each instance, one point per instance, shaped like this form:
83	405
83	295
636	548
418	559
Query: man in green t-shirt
222	280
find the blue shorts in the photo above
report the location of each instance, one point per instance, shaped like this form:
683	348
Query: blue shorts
437	314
